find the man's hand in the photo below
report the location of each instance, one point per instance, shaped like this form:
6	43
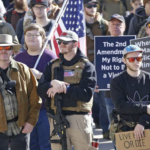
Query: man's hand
27	128
138	131
36	73
96	89
52	91
148	109
59	85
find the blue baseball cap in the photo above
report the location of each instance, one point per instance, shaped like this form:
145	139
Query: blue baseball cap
131	48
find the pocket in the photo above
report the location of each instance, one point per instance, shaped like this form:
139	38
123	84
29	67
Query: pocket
87	123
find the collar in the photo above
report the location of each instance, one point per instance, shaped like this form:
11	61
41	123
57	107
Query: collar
14	65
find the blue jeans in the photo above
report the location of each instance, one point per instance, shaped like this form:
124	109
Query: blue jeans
109	107
103	118
40	136
17	142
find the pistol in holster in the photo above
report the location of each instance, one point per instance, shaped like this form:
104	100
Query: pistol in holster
115	124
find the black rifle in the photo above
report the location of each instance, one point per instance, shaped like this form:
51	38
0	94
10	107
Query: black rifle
60	123
10	85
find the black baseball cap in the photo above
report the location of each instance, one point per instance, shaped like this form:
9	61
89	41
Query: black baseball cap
38	2
90	1
117	16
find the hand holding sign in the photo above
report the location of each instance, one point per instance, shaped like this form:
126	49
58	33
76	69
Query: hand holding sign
127	141
138	131
148	109
96	89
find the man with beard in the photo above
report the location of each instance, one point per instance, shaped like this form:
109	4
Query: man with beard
13	15
96	26
73	77
130	92
19	102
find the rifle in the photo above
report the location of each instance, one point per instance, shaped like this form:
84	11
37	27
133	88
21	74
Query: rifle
10	85
60	123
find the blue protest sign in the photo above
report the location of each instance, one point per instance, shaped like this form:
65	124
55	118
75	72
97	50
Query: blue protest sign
108	58
144	43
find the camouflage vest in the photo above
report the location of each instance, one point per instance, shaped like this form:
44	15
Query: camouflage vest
75	78
142	33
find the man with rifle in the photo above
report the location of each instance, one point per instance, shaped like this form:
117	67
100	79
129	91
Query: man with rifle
68	82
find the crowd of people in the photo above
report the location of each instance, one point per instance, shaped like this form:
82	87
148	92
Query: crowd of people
27	92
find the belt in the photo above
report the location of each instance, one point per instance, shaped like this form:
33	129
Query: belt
12	120
129	123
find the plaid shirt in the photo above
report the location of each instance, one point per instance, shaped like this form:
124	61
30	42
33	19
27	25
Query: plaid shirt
11	108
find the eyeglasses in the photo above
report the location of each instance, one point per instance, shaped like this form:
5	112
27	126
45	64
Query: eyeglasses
90	6
64	42
33	36
132	59
6	48
39	8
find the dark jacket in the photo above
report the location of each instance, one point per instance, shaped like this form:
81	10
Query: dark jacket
83	92
128	19
137	21
13	17
19	30
130	96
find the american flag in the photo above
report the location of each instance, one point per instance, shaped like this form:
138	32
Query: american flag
73	19
68	73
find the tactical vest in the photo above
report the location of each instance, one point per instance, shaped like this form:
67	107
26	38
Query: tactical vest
142	33
73	78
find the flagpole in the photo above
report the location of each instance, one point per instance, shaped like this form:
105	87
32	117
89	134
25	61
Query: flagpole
51	31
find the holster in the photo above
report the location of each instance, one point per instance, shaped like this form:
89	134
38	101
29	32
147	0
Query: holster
119	125
115	125
114	128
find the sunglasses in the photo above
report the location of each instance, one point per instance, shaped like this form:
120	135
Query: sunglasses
148	25
64	42
6	48
90	6
132	59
